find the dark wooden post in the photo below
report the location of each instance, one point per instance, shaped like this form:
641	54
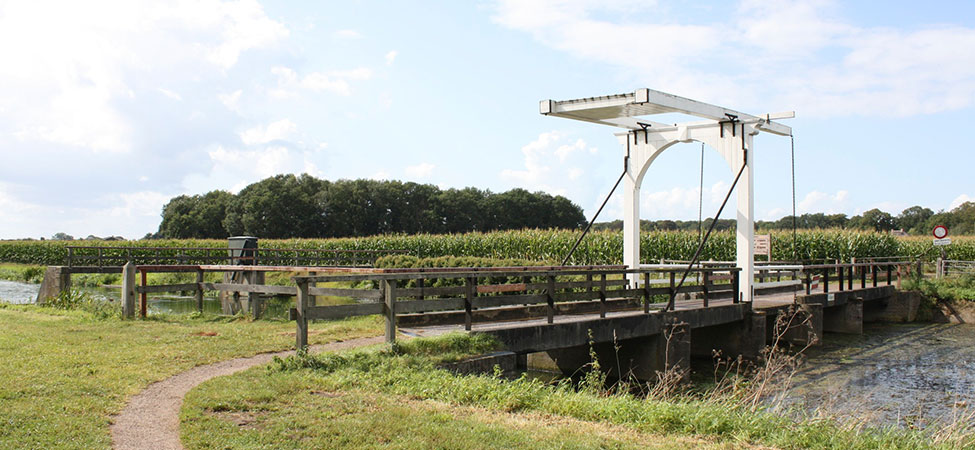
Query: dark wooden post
143	297
301	335
672	303
889	273
602	296
873	274
849	281
863	278
550	298
826	280
735	286
646	292
808	283
468	303
389	309
421	283
705	279
839	275
199	290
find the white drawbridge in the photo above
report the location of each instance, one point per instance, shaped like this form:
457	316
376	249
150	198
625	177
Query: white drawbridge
730	132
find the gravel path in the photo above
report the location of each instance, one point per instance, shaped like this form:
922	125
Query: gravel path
151	418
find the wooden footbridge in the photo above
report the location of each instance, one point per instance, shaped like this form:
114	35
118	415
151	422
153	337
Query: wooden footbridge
551	317
547	316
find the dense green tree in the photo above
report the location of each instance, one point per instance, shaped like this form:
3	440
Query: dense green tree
913	219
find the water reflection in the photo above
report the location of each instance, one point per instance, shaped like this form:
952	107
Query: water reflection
908	374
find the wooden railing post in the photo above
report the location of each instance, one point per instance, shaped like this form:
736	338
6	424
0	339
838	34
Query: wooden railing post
808	283
890	270
672	303
301	335
736	286
646	292
826	280
128	290
705	279
602	296
849	281
199	290
550	298
873	274
839	274
468	303
389	309
863	278
143	297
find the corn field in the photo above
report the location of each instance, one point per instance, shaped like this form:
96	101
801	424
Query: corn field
551	246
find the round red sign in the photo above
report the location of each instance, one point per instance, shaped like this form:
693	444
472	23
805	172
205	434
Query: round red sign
940	232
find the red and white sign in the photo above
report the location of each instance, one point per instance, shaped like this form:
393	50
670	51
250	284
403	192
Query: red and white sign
940	232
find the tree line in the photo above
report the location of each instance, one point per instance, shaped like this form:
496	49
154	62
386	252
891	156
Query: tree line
916	220
289	206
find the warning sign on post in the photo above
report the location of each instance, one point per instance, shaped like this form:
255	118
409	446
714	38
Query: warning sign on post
763	244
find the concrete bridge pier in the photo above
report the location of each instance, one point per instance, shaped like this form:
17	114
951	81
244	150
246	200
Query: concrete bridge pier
799	325
641	358
745	338
846	318
57	279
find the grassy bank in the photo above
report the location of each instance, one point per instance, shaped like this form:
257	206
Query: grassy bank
66	372
361	399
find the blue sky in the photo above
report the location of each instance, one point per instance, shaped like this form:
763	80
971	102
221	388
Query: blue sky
108	109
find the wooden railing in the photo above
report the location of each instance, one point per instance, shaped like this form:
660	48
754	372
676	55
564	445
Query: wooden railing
117	256
469	290
820	276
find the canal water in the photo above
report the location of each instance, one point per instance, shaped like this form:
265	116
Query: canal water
894	374
20	293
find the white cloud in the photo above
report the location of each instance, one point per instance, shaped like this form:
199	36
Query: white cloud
390	57
682	202
336	82
67	74
275	131
381	175
347	34
170	94
821	202
233	169
422	170
959	200
800	55
551	164
232	100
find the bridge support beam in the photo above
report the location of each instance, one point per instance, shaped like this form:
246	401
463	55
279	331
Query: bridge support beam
745	338
643	358
799	325
898	307
846	318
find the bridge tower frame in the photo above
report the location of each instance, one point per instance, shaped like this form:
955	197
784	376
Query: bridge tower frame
729	132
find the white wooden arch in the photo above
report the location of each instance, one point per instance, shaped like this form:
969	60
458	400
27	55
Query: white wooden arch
729	132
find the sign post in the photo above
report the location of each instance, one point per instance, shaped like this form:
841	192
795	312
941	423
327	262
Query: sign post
941	239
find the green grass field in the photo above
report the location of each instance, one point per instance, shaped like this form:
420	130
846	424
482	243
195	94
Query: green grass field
64	373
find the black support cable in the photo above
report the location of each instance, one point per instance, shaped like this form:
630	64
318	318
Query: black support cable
700	246
586	231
